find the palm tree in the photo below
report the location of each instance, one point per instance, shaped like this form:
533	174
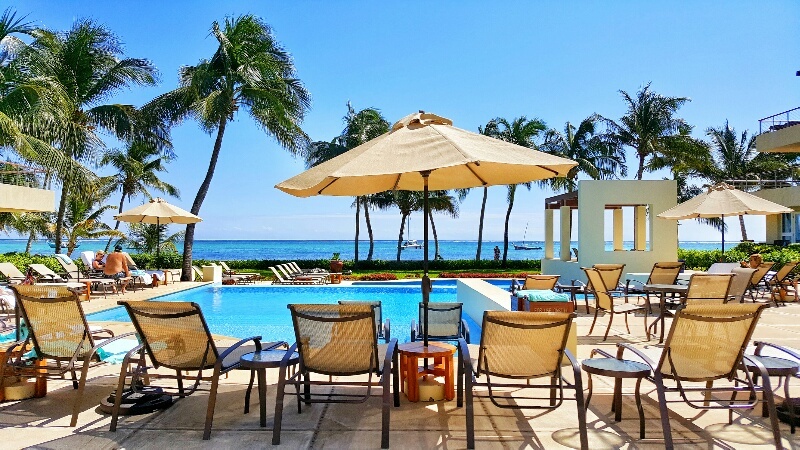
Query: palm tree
151	238
441	201
735	158
520	131
406	201
250	72
649	126
87	67
597	157
82	221
137	172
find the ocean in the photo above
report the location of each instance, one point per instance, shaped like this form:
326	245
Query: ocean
297	250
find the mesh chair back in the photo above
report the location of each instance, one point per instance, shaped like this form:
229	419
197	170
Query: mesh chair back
336	339
706	342
611	274
376	306
522	344
598	288
174	333
444	319
55	320
708	287
784	271
541	282
761	272
665	273
740	282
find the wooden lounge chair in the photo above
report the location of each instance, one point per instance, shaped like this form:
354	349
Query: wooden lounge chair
541	282
44	274
174	335
11	274
781	281
338	341
759	279
740	283
249	275
706	343
515	348
708	288
384	329
62	340
445	323
605	301
665	272
299	280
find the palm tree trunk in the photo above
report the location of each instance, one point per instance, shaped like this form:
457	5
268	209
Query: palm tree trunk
188	240
480	224
744	230
640	171
513	191
116	226
435	239
400	237
358	217
31	237
369	228
62	209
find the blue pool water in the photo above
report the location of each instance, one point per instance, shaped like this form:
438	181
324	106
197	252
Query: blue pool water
261	311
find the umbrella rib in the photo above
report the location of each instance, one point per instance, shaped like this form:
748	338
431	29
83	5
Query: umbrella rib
554	172
327	186
483	182
396	182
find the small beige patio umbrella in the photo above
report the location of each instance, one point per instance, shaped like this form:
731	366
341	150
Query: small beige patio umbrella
157	211
424	151
723	200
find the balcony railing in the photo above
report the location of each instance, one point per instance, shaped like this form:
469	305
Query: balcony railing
754	185
19	175
779	121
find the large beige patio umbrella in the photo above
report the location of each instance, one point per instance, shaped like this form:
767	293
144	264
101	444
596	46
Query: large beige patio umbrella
424	151
723	200
157	211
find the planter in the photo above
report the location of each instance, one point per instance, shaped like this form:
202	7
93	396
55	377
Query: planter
336	266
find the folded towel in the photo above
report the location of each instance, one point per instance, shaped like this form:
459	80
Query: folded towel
537	295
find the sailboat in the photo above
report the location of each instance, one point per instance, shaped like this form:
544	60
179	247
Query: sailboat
524	246
410	243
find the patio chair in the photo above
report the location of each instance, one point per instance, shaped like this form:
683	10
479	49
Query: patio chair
662	273
11	273
517	347
61	339
174	335
759	279
299	280
706	343
384	329
338	341
87	257
605	301
781	281
286	271
44	274
445	323
740	283
541	282
708	288
611	275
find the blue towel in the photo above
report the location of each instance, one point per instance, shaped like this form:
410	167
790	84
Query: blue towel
541	295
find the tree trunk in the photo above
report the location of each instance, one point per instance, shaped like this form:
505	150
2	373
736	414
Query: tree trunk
116	226
358	217
400	237
744	230
513	191
31	237
188	240
480	224
435	239
62	209
369	229
640	171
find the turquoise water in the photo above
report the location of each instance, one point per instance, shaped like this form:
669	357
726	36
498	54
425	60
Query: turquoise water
261	311
295	250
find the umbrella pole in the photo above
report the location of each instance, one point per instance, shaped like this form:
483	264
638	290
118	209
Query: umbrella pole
426	281
158	241
723	236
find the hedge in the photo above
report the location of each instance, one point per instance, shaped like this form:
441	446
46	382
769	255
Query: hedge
23	260
387	265
702	259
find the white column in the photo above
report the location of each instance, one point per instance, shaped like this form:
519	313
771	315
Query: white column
640	228
618	226
566	225
548	234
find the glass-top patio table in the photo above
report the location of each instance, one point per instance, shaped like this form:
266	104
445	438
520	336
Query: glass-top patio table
663	290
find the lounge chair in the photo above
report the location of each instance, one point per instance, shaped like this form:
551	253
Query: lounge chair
384	329
759	279
174	335
286	271
781	281
740	283
227	271
541	282
11	273
445	323
198	274
708	288
706	343
44	274
297	268
299	280
61	339
662	273
516	347
71	270
605	301
87	257
338	341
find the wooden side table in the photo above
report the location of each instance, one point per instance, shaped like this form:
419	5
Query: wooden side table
336	278
410	370
40	389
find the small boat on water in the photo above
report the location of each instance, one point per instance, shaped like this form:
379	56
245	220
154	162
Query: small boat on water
524	246
411	243
63	244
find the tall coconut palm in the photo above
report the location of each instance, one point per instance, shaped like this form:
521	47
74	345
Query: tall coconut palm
249	71
137	169
406	201
10	27
441	201
597	157
649	126
521	131
735	158
86	64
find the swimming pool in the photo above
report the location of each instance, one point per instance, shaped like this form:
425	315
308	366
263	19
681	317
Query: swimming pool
261	311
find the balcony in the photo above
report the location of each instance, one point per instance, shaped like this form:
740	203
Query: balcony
779	132
20	189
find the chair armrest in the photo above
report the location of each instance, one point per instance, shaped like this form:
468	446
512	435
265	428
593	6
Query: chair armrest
579	283
229	350
463	352
387	331
110	340
621	347
389	357
288	356
761	344
576	369
465	330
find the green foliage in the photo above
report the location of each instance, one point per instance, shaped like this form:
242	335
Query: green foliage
165	261
702	259
22	261
335	256
386	265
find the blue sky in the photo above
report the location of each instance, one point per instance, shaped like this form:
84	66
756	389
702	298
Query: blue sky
469	61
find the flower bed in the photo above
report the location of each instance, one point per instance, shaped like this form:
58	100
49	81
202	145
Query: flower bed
482	275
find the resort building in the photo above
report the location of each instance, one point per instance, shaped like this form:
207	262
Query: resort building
19	191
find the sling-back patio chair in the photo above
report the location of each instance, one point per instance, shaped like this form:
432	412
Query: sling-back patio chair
384	328
61	339
71	271
540	282
740	283
338	341
708	288
611	275
706	343
174	335
781	281
517	346
665	272
11	274
605	301
759	280
445	322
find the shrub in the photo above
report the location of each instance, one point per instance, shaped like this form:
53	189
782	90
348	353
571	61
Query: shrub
377	277
702	259
533	265
165	260
23	260
482	275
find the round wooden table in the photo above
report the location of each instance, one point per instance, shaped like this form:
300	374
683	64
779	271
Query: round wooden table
259	362
410	370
